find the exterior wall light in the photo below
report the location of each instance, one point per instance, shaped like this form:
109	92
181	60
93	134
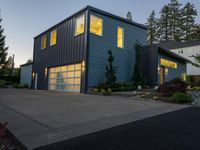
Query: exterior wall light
46	72
166	71
33	74
158	70
83	65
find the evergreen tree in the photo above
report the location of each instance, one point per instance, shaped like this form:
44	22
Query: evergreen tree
188	21
152	28
137	73
174	13
129	16
110	70
164	24
3	48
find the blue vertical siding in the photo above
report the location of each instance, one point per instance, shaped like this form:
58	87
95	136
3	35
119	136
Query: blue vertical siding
124	58
172	72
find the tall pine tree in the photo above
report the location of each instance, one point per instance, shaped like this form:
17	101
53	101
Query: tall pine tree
3	48
152	28
188	21
174	14
164	24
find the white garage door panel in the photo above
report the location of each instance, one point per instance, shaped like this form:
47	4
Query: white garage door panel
65	78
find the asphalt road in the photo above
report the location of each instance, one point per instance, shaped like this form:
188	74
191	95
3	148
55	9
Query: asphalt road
179	130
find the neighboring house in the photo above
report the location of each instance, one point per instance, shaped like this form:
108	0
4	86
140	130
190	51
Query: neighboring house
71	56
26	73
160	65
186	50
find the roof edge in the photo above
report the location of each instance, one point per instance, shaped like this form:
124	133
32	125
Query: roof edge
88	7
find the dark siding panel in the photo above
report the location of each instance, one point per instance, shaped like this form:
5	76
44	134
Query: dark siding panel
69	49
149	59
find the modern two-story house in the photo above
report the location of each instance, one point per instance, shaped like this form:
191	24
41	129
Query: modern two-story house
71	56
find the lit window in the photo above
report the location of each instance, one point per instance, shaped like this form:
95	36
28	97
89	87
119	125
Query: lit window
183	76
44	42
168	63
120	37
53	37
96	25
80	25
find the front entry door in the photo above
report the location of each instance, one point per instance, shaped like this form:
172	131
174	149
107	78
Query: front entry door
162	75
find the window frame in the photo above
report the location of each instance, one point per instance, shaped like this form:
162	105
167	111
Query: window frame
122	37
101	27
75	29
51	37
42	42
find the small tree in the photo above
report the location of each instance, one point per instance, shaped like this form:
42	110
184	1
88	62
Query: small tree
3	48
137	73
110	70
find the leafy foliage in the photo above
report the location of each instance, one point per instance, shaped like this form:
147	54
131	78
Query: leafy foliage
2	83
110	70
169	88
179	97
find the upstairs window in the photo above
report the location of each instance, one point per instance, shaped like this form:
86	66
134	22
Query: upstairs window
44	42
80	25
96	25
53	37
120	37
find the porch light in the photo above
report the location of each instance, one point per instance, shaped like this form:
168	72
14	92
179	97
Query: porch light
166	71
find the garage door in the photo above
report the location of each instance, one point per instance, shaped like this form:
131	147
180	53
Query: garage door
65	78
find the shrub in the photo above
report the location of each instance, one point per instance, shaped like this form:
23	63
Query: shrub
19	86
102	85
169	88
180	98
2	83
3	129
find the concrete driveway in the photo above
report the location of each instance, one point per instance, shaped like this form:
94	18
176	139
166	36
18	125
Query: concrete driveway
39	118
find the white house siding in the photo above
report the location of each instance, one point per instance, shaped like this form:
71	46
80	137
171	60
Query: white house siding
187	52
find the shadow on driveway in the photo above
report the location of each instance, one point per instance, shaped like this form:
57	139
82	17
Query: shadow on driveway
177	130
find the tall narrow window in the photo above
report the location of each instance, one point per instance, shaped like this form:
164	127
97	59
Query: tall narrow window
44	42
120	37
53	37
80	25
96	25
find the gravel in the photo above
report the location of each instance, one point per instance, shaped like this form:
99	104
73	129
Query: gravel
196	97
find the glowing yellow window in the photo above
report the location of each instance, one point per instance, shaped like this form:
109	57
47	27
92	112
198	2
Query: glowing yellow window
96	25
53	37
78	67
80	25
183	76
77	81
70	67
77	73
70	74
44	42
168	63
120	37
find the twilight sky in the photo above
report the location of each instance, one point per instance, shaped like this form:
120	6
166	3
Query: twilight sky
24	19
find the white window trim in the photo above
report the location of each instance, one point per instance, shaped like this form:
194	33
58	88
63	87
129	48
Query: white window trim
102	24
42	41
51	36
75	25
122	37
